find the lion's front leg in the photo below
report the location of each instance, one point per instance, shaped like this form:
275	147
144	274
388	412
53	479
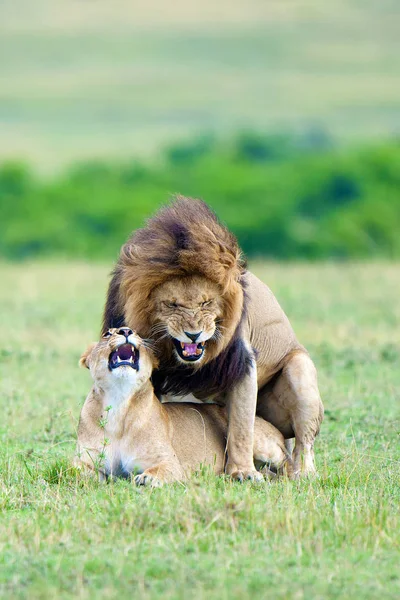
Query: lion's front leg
241	402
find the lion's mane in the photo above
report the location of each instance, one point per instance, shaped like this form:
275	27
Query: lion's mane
184	238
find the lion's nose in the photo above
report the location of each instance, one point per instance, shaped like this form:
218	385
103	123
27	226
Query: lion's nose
125	331
193	336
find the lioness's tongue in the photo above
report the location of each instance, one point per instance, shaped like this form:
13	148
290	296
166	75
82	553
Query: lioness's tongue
125	352
190	349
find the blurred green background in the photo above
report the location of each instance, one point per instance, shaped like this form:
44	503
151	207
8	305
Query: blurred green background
283	115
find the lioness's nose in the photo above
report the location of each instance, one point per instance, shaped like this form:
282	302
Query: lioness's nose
125	331
193	336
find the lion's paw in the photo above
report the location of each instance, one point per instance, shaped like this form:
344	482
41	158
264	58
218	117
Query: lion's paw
305	474
147	480
242	476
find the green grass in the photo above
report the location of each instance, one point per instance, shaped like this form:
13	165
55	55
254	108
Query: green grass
81	79
334	537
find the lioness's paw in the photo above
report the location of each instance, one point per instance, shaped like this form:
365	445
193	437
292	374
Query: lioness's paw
242	476
148	480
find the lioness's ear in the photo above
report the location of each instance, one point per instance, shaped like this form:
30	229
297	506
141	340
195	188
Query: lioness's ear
84	359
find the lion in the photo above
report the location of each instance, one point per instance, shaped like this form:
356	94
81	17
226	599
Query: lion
218	330
124	431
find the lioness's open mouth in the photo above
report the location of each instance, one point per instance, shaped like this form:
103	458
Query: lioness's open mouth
125	355
189	352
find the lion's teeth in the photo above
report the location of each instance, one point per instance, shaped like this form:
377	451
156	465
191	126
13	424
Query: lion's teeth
182	345
198	351
185	353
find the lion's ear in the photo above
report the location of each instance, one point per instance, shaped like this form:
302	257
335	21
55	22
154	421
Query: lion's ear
84	359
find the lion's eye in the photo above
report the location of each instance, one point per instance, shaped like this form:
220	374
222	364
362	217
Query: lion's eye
206	303
172	305
107	334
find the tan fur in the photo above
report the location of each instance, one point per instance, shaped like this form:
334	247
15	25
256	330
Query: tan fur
161	442
198	307
183	256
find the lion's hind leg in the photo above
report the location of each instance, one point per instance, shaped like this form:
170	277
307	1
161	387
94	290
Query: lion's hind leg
296	390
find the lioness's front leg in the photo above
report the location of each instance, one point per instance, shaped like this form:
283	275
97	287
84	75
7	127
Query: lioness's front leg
241	402
86	462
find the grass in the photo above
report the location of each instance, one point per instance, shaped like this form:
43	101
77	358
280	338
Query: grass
333	537
82	79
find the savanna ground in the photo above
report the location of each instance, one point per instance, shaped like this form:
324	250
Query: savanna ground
333	537
116	79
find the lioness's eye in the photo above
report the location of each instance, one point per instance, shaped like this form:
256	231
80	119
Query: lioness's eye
172	305
107	334
206	303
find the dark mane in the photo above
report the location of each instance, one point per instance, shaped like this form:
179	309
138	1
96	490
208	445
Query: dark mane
216	377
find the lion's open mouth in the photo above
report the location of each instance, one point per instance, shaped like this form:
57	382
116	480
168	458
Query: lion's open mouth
189	352
125	355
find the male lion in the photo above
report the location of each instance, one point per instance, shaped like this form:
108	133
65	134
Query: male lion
124	430
219	331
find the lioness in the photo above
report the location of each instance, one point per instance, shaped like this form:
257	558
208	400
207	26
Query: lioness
124	429
219	330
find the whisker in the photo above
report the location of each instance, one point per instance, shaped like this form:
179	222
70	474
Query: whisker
166	335
217	336
147	343
158	328
155	334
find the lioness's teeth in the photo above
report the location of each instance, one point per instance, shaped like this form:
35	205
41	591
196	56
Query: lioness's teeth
199	351
182	345
185	353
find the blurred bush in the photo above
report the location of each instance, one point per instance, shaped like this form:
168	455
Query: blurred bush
284	197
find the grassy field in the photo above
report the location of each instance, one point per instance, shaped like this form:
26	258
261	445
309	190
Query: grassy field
334	537
81	79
